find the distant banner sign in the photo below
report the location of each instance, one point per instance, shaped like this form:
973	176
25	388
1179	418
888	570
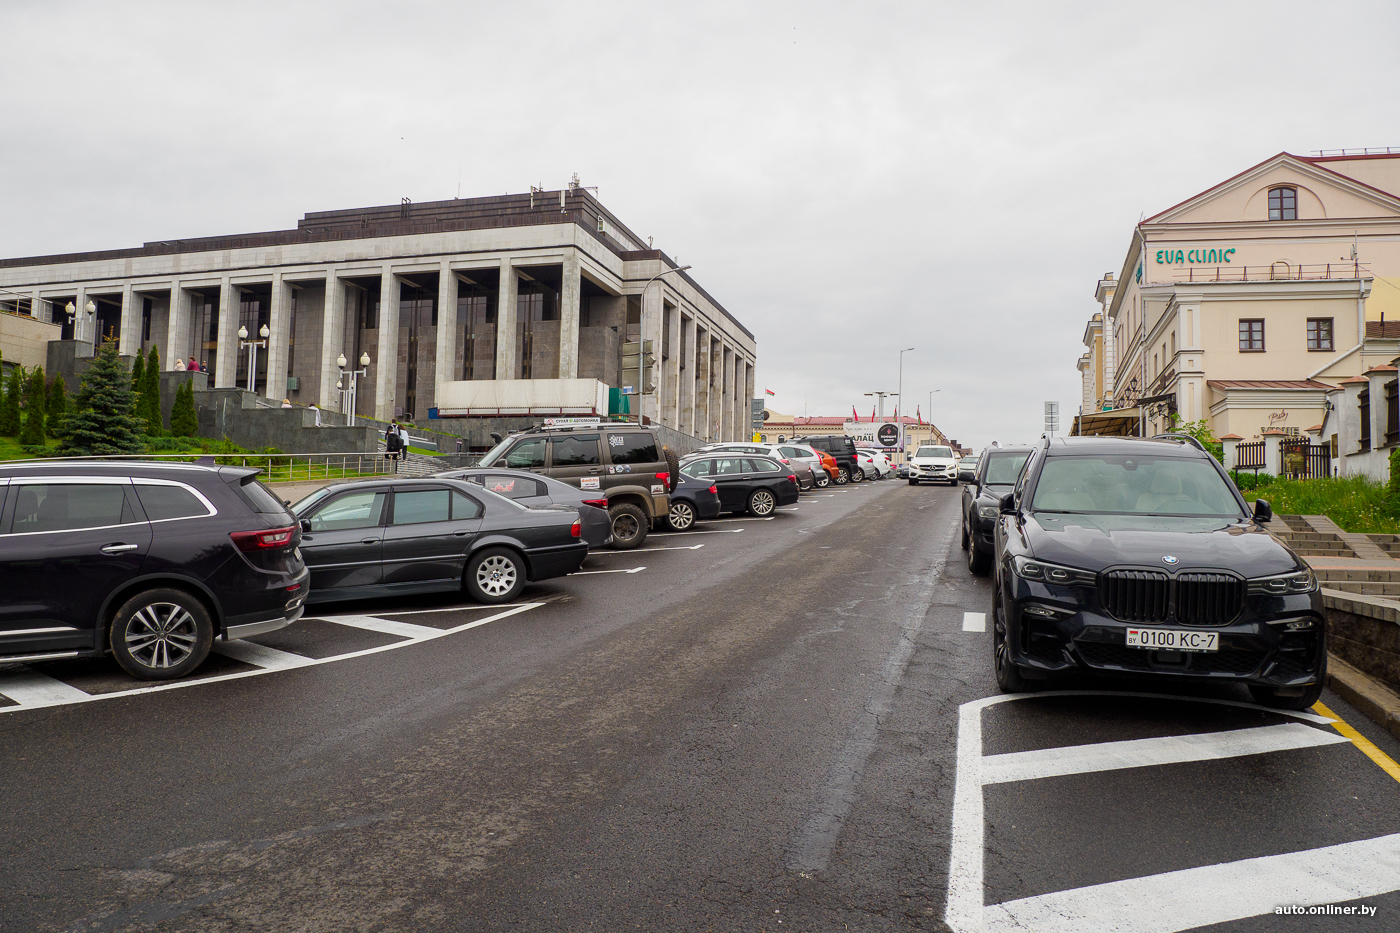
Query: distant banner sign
883	434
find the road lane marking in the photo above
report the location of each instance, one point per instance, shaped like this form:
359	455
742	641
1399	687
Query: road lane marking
1215	893
1142	753
80	696
584	573
648	550
1386	763
269	659
31	689
974	621
963	911
385	626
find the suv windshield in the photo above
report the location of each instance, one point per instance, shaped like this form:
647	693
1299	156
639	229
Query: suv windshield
1002	469
1133	486
945	452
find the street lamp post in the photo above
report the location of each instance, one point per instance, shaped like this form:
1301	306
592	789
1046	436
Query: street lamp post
881	397
347	394
252	347
901	391
642	334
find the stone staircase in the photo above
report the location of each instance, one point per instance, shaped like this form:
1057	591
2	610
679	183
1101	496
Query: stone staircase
1364	582
415	464
1299	533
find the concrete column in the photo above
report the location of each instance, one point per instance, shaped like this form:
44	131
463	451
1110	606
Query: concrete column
386	383
726	404
671	373
279	331
715	389
129	332
332	342
569	297
653	405
685	422
749	396
506	366
226	364
42	310
445	367
84	327
701	426
1273	457
177	327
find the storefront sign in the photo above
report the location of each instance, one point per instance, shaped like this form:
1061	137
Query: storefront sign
886	435
1208	256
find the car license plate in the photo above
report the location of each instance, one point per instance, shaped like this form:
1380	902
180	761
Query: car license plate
1173	639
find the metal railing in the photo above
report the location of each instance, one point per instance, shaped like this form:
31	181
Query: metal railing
1376	150
1274	272
276	468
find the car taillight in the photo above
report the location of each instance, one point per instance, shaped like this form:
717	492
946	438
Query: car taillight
792	478
784	460
263	540
576	529
665	480
596	503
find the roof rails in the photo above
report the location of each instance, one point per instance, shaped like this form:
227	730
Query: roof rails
1180	437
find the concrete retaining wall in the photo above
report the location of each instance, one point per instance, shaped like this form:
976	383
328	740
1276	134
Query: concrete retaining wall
234	413
1364	631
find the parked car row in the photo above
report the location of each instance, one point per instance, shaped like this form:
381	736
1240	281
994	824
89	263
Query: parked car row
1139	558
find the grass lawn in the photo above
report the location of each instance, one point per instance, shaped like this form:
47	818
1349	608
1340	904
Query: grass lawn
10	449
1355	503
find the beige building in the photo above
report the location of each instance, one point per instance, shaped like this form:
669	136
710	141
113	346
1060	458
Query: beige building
1245	304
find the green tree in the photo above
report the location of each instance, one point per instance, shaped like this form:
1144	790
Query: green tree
105	420
150	395
138	372
32	434
1201	432
184	421
56	408
9	405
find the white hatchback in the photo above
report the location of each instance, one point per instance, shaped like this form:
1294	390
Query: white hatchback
932	462
874	463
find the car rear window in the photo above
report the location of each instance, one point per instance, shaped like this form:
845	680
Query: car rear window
763	466
512	487
260	498
632	448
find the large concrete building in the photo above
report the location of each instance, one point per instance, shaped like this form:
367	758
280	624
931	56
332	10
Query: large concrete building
511	305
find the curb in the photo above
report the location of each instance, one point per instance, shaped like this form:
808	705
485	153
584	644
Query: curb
1374	699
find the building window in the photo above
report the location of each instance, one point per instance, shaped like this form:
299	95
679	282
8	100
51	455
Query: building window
1319	333
1252	335
1283	203
1364	405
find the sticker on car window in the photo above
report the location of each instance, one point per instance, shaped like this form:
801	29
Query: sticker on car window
588	482
616	440
504	486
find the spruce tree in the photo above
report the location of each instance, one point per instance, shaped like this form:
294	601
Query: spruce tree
32	434
56	408
105	421
184	421
150	394
9	405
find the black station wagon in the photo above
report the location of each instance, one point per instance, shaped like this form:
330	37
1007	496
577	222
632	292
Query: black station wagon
149	561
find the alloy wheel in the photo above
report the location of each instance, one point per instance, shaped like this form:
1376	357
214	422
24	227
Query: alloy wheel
681	516
496	575
161	635
762	502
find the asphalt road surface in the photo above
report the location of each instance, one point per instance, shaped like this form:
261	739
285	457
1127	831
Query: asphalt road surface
782	725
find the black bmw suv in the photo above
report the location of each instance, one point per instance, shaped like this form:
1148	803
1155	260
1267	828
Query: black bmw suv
1139	558
150	561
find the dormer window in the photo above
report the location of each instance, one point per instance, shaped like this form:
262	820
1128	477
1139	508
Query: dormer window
1283	203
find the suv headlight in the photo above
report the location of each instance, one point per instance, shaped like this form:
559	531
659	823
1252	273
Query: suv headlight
990	512
1028	569
1285	584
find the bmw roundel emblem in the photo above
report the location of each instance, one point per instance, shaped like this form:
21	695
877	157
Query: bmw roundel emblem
1170	560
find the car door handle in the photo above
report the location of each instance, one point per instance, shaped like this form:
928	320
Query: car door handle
595	469
369	540
119	548
461	534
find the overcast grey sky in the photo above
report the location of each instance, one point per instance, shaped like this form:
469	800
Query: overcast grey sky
847	179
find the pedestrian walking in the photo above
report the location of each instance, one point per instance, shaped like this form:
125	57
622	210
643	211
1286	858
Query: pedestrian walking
393	443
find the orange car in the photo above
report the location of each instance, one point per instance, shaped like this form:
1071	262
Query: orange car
828	464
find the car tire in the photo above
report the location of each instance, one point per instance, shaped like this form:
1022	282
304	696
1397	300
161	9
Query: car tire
681	516
1009	679
966	538
953	481
857	474
843	476
824	482
629	526
762	503
913	482
1267	696
978	562
673	464
161	633
495	575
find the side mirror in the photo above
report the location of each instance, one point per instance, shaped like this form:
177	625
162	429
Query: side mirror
1008	503
1263	512
306	525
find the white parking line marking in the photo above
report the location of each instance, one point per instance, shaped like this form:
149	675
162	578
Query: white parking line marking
974	621
80	696
584	573
1217	893
794	509
648	550
269	659
387	626
722	531
1141	753
964	911
32	689
709	521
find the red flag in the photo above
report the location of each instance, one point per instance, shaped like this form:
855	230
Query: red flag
896	413
872	414
855	414
918	414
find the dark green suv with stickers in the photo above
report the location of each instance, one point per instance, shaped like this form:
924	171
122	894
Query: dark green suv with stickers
624	463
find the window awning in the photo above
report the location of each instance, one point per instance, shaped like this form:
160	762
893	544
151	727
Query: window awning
1121	422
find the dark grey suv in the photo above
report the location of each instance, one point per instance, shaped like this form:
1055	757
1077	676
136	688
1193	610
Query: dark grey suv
149	561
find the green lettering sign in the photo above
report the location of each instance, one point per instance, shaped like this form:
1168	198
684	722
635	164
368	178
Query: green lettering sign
1209	257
